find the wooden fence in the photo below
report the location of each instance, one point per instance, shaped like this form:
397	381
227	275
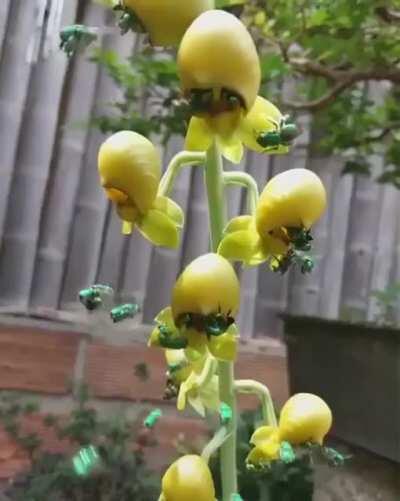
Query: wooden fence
58	234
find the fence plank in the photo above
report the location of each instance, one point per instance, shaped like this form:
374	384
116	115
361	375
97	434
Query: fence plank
17	261
68	162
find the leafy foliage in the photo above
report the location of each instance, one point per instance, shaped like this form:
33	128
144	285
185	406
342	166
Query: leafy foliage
387	302
331	51
122	475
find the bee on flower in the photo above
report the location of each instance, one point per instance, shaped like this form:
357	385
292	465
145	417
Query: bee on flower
220	74
305	418
205	300
279	231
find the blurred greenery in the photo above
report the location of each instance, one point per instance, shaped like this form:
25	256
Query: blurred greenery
329	53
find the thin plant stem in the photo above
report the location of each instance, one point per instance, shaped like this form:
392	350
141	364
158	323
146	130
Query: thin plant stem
262	392
244	179
217	216
215	443
180	160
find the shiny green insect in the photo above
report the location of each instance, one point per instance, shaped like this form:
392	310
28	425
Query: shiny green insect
128	20
124	311
214	324
85	461
92	297
76	37
285	134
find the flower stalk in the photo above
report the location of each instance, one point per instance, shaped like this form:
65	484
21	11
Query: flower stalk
180	160
214	180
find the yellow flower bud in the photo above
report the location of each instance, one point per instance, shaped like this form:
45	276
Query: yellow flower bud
207	285
304	418
188	478
217	52
130	170
293	199
167	20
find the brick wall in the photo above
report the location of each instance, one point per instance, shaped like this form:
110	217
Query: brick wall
43	358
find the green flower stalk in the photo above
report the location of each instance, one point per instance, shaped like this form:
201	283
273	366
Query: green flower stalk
220	76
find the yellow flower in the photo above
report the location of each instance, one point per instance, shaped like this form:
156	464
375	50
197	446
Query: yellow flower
242	242
293	199
167	20
290	203
267	444
220	74
129	168
232	131
304	418
197	344
188	478
201	392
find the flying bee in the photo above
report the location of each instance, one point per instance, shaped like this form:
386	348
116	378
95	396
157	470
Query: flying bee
92	297
300	238
124	311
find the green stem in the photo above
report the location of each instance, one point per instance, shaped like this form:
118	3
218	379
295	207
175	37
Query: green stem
244	179
182	159
262	392
214	444
217	214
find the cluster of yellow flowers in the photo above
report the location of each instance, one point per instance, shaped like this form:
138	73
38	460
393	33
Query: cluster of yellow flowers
220	75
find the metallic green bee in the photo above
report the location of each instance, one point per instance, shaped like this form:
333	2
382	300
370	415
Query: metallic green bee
124	311
170	339
128	20
85	461
76	37
92	297
214	324
283	136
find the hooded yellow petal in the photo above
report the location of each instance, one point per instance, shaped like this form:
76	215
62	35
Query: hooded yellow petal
199	136
239	223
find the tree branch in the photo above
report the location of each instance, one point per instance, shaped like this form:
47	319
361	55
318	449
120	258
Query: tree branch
387	15
341	79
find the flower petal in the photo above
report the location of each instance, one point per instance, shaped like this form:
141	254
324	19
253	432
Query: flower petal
244	245
160	229
165	317
231	148
262	434
224	347
262	117
171	209
239	223
199	137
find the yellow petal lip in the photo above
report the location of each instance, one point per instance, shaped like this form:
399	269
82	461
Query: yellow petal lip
262	117
199	136
167	20
217	52
116	196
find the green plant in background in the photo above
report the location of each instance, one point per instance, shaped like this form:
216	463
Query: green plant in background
329	50
108	467
387	301
219	77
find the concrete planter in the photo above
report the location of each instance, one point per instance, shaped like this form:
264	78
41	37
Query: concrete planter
356	369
